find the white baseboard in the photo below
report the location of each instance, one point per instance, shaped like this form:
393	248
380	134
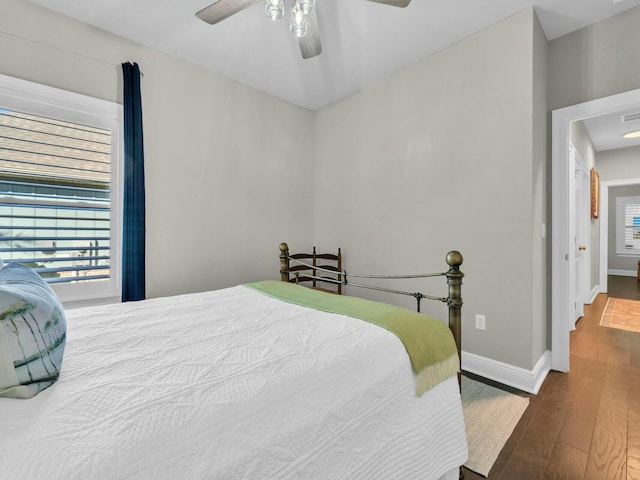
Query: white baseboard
622	273
594	293
520	378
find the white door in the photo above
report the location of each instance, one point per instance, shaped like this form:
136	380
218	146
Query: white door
581	208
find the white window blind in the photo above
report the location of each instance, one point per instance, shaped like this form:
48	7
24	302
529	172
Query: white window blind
55	197
632	227
628	225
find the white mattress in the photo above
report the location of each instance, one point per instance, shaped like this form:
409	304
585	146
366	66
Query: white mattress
231	384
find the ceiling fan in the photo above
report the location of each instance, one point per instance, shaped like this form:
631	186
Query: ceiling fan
304	23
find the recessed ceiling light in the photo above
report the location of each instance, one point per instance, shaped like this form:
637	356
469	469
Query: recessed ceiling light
634	134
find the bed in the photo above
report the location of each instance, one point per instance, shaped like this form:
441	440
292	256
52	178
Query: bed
236	384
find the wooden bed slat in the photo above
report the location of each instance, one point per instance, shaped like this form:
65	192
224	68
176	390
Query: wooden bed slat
287	269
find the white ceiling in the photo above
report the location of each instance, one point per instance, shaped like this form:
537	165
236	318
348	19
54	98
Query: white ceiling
362	41
606	131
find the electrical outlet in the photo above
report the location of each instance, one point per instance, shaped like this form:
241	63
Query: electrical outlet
481	323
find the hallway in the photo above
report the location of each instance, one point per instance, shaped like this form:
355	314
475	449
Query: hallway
624	287
584	424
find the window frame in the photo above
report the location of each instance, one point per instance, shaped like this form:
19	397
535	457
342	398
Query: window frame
621	204
37	99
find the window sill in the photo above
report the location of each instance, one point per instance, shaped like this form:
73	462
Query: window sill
628	255
91	302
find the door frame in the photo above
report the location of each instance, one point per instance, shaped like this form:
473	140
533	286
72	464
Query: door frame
604	226
561	253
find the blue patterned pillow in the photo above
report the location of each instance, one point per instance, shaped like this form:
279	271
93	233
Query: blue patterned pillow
33	333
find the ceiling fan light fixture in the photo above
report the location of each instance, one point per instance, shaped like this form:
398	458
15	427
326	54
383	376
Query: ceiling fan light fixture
299	22
306	6
274	9
304	21
634	134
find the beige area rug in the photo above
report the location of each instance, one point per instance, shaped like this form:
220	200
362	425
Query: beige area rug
490	415
622	314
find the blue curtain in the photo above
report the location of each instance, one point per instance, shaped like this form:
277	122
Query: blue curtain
133	221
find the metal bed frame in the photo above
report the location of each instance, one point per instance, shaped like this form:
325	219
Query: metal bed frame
340	278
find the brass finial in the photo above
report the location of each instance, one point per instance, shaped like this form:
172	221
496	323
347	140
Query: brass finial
454	258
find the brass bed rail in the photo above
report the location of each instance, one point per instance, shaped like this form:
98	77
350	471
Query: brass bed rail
453	274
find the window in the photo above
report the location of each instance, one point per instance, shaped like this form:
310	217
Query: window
59	188
628	226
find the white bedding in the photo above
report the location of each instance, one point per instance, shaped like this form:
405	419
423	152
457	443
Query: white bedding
231	384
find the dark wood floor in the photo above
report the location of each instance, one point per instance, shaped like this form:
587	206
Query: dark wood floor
584	424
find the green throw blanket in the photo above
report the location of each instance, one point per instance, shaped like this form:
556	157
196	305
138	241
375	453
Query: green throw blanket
429	343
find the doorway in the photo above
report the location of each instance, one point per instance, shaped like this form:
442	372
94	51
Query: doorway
616	285
563	253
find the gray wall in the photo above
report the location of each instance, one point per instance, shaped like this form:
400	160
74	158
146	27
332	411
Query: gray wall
218	153
596	61
615	261
539	290
580	138
620	164
442	156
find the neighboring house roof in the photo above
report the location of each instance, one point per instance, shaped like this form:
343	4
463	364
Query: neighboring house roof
41	147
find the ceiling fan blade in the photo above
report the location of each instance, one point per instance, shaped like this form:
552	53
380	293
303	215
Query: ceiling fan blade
393	3
223	9
310	45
